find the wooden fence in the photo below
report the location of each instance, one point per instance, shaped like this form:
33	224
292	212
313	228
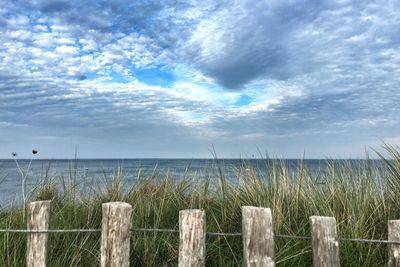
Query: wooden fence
257	235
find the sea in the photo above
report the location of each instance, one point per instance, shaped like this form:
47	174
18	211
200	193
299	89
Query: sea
101	172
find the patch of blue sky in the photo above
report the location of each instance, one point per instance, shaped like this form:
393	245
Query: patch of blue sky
158	76
243	100
198	116
217	95
90	75
117	77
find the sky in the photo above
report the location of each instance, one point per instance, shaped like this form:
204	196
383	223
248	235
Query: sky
177	78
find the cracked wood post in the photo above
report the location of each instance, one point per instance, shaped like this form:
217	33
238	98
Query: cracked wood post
115	234
394	249
258	237
37	243
192	238
325	243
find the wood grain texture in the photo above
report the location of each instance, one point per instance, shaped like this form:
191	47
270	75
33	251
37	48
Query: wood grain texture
258	237
394	249
325	243
115	234
192	238
37	243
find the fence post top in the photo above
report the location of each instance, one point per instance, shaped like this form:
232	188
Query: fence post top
191	211
313	218
40	202
253	207
117	203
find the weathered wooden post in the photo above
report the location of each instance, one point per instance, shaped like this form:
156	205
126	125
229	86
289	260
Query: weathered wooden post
394	249
115	234
258	237
325	243
192	238
37	243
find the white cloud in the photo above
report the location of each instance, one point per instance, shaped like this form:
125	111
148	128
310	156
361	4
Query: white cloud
66	50
20	35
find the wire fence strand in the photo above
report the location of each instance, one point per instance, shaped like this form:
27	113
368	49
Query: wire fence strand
370	240
48	231
293	236
159	230
154	230
223	234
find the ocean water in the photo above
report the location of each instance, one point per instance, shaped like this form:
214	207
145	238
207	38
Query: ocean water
101	171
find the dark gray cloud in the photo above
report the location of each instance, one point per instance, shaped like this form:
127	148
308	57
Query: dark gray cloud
245	40
51	5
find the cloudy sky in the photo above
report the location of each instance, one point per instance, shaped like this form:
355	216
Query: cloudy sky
172	78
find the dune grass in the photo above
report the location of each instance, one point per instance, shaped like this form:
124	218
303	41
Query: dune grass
362	197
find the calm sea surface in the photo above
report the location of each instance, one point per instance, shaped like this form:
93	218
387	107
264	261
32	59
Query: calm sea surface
101	171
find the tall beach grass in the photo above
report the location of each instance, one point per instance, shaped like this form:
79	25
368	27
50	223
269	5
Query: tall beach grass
362	197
